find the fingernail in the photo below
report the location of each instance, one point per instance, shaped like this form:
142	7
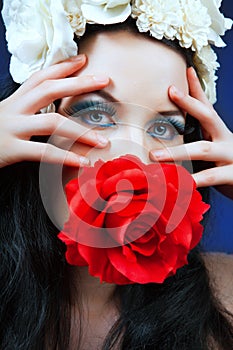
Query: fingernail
158	154
100	78
195	179
77	58
84	161
194	73
176	92
103	140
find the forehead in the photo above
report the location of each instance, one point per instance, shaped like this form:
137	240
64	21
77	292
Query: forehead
141	69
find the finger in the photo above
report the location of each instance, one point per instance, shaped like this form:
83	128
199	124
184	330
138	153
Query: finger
200	150
56	71
207	116
50	90
56	124
214	176
45	152
195	88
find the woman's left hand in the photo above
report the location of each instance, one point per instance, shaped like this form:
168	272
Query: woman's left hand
217	146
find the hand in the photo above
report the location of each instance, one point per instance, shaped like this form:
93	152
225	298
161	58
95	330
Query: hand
19	118
217	146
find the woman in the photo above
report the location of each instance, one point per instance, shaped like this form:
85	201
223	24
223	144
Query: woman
47	304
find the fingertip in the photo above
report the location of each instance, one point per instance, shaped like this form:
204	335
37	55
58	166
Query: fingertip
152	157
194	177
101	78
102	141
77	59
196	180
175	92
157	155
76	161
191	72
84	161
195	87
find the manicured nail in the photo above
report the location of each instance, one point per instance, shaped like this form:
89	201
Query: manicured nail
100	78
103	140
194	73
176	92
159	154
78	58
84	161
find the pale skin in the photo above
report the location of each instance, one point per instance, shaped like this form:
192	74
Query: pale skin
43	87
19	117
131	79
218	138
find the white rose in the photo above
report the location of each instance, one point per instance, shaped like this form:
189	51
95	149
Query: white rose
161	18
209	86
106	11
209	58
195	25
219	24
38	35
207	64
75	16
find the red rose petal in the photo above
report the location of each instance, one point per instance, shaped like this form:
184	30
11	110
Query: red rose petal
146	249
72	255
129	254
142	271
101	267
136	181
125	201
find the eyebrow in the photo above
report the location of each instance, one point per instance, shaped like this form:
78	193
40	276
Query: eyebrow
107	96
175	113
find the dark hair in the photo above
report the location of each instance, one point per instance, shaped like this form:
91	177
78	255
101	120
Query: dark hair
36	283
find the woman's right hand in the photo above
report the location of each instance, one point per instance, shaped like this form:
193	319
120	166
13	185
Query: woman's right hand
20	118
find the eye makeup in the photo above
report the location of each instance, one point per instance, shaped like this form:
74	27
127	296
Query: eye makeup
89	105
166	128
93	112
178	125
101	114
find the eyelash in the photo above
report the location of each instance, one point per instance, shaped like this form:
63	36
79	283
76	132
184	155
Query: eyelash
180	127
165	129
80	109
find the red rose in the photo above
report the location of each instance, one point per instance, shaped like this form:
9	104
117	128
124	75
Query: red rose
131	222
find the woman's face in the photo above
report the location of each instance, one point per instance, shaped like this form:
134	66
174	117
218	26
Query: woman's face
134	111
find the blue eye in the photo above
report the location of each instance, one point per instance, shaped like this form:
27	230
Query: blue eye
94	113
166	129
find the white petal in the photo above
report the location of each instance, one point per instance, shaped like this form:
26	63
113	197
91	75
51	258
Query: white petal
63	45
215	39
219	23
228	23
97	14
95	2
19	70
115	3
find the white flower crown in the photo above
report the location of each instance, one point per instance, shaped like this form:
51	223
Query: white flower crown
41	32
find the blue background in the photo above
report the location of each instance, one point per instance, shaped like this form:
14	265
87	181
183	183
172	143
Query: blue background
220	230
220	235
